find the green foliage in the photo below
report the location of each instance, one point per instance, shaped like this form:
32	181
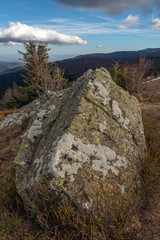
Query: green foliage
117	73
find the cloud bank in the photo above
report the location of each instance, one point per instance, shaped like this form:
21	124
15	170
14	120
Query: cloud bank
112	6
17	33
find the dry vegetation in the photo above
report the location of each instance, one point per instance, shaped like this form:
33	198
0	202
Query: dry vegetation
4	113
131	219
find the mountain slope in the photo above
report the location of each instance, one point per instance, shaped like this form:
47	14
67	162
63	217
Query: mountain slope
124	55
4	66
75	67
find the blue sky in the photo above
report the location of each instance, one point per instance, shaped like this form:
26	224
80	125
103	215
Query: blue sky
79	27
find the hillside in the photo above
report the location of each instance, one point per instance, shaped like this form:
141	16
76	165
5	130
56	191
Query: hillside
75	67
4	66
7	79
124	55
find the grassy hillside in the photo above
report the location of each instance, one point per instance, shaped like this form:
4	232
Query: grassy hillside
137	221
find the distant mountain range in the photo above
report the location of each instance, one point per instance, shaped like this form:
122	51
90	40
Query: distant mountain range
75	67
124	55
4	66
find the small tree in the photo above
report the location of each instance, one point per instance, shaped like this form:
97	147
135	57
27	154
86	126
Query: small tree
40	75
132	76
117	72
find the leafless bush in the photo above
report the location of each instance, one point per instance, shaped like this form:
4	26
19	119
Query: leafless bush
14	90
132	76
135	74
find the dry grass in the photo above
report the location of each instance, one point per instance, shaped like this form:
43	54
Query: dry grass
13	224
63	221
110	221
9	145
4	113
133	218
150	188
151	93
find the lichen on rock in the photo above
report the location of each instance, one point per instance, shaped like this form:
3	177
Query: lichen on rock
100	158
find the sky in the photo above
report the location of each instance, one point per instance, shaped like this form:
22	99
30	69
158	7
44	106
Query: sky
76	27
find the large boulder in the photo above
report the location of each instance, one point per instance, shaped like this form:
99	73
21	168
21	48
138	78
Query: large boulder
88	134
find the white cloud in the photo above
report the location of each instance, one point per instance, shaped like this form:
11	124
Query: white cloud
130	21
99	46
17	33
155	23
